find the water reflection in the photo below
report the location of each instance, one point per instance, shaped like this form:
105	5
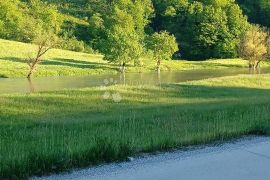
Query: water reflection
122	78
18	85
255	71
31	85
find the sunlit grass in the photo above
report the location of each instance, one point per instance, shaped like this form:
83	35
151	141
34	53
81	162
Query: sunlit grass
55	131
66	63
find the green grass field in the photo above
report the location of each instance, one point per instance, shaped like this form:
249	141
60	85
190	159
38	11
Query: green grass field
56	131
67	63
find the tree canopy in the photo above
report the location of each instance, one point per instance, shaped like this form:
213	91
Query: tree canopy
258	11
205	29
162	45
118	28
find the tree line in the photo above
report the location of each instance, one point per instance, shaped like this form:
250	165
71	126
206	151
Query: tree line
125	31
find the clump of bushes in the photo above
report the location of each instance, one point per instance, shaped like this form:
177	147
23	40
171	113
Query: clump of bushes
71	43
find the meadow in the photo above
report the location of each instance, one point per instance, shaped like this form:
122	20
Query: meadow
43	132
58	62
55	131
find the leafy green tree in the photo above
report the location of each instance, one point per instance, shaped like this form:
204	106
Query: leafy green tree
12	20
163	46
257	11
23	21
123	31
45	16
205	29
122	44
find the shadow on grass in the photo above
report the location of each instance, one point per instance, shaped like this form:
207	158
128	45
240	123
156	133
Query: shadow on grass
168	98
68	63
13	59
199	91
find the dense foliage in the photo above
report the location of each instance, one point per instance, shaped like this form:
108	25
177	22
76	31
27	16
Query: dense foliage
123	30
258	11
162	45
117	28
205	29
25	21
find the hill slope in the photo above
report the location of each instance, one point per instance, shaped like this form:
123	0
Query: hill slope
68	63
57	62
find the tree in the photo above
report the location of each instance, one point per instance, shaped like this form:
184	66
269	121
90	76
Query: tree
46	15
45	41
122	44
23	20
205	29
12	20
257	11
124	31
163	46
253	46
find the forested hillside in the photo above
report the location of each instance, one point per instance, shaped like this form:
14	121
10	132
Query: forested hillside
121	29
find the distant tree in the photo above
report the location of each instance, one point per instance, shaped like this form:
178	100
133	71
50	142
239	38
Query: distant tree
122	44
42	16
12	20
163	46
258	11
253	46
205	29
46	15
23	20
44	41
268	43
124	31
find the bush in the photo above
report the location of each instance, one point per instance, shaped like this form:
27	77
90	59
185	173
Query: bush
71	44
90	50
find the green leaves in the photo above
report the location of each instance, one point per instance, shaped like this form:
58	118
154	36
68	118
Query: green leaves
162	45
124	31
205	29
24	21
117	28
258	11
12	19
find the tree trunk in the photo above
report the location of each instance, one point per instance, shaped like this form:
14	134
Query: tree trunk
31	86
30	73
158	65
123	67
257	65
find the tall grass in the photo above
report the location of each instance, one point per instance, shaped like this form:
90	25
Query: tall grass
55	131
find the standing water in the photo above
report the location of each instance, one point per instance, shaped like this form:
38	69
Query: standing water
22	85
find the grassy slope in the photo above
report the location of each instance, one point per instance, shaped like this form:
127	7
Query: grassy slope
64	63
54	131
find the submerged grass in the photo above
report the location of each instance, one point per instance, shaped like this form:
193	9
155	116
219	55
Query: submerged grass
55	131
67	63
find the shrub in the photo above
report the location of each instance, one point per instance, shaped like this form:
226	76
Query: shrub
71	44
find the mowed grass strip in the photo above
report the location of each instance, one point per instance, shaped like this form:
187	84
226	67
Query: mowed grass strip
58	62
55	131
